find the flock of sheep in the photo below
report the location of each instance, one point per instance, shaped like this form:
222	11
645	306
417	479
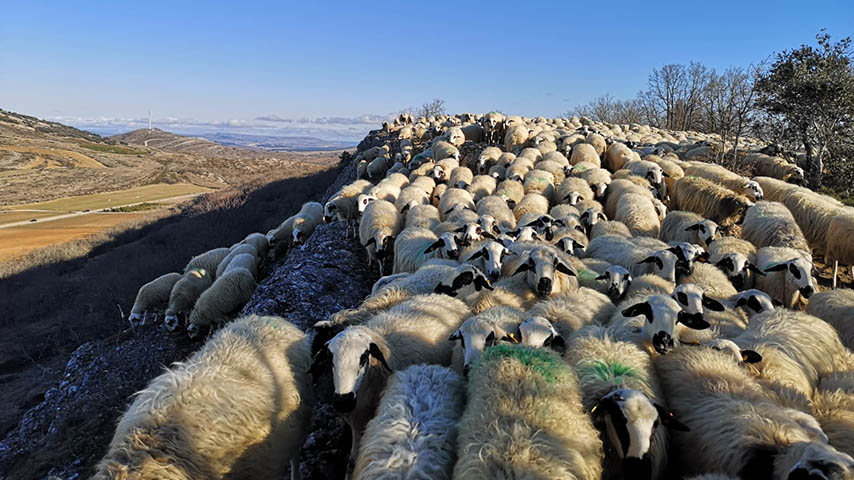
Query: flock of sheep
557	299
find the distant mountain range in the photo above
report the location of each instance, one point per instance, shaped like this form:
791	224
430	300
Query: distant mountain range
277	144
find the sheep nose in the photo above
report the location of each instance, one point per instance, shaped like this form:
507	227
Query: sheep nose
637	468
493	275
454	254
327	219
193	330
806	292
662	342
171	323
544	287
614	292
344	403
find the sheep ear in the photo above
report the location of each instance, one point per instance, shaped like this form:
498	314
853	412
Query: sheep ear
522	268
481	282
437	244
692	322
776	268
455	336
475	255
644	309
378	354
668	420
753	303
319	363
712	304
558	344
750	356
461	229
513	232
562	268
404	209
372	240
490	339
488	235
753	268
449	211
604	276
741	301
693	228
726	263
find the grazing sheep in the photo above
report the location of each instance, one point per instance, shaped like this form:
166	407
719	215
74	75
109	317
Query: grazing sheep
362	357
836	307
738	428
260	242
239	249
775	167
679	226
584	152
225	297
379	226
207	261
414	434
153	296
240	407
504	434
712	201
736	258
244	260
184	295
788	275
481	331
415	246
620	388
722	176
770	224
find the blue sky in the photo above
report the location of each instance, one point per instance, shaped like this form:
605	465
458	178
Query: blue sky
335	69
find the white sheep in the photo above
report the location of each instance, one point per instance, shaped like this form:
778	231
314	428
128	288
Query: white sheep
482	186
442	150
788	275
511	190
488	256
423	182
495	207
736	258
455	197
598	178
361	357
681	226
569	313
609	227
617	155
584	152
637	259
414	434
461	177
487	158
547	270
343	205
836	307
260	242
503	434
572	190
225	297
423	216
839	234
410	197
207	261
379	226
184	295
712	201
239	249
770	224
415	246
638	214
153	297
481	331
540	181
722	176
661	328
240	407
531	203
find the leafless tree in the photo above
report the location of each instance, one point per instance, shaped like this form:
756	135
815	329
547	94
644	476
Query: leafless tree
727	106
673	95
608	109
432	108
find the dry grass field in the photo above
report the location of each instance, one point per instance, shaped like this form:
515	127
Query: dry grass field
147	193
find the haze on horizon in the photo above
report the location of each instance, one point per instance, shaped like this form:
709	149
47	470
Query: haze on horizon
336	70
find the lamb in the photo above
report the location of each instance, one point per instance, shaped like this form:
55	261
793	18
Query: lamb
722	176
836	307
235	250
455	197
680	226
207	261
423	216
736	258
739	430
770	224
410	197
361	357
598	179
638	213
482	186
481	331
620	388
584	152
503	434
225	297
184	295
380	224
531	203
414	433
153	296
415	246
247	385
708	199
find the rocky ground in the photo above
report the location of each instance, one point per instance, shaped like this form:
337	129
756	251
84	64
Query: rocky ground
64	436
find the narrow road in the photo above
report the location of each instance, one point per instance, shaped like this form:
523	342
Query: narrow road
98	210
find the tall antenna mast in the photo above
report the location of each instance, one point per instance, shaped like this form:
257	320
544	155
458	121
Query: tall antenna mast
149	119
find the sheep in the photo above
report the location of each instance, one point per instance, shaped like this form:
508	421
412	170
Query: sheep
442	149
455	136
532	154
493	126
572	190
461	177
225	297
422	216
423	182
570	240
421	166
207	261
680	226
414	433
649	171
598	179
788	275
489	257
378	167
638	260
240	407
617	281
598	142
722	176
708	199
235	250
518	169
482	186
736	258
617	189
361	357
584	152
379	226
834	411
455	197
260	242
839	234
547	270
555	168
813	214
415	246
672	171
502	434
770	224
516	138
512	191
153	296
662	328
609	227
753	301
617	155
442	169
620	388
410	197
737	427
531	203
481	331
571	311
497	208
836	307
509	292
637	212
487	158
775	167
712	280
184	295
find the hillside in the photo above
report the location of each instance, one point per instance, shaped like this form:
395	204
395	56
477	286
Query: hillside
42	160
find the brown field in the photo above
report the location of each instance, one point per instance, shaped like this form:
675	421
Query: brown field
16	241
81	160
12	216
148	193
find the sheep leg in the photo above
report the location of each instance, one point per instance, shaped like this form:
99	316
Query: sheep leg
295	473
835	272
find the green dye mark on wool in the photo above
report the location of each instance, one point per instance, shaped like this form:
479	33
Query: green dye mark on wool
538	360
610	372
587	274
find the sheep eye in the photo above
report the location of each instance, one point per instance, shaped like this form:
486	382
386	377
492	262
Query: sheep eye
363	359
683	299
